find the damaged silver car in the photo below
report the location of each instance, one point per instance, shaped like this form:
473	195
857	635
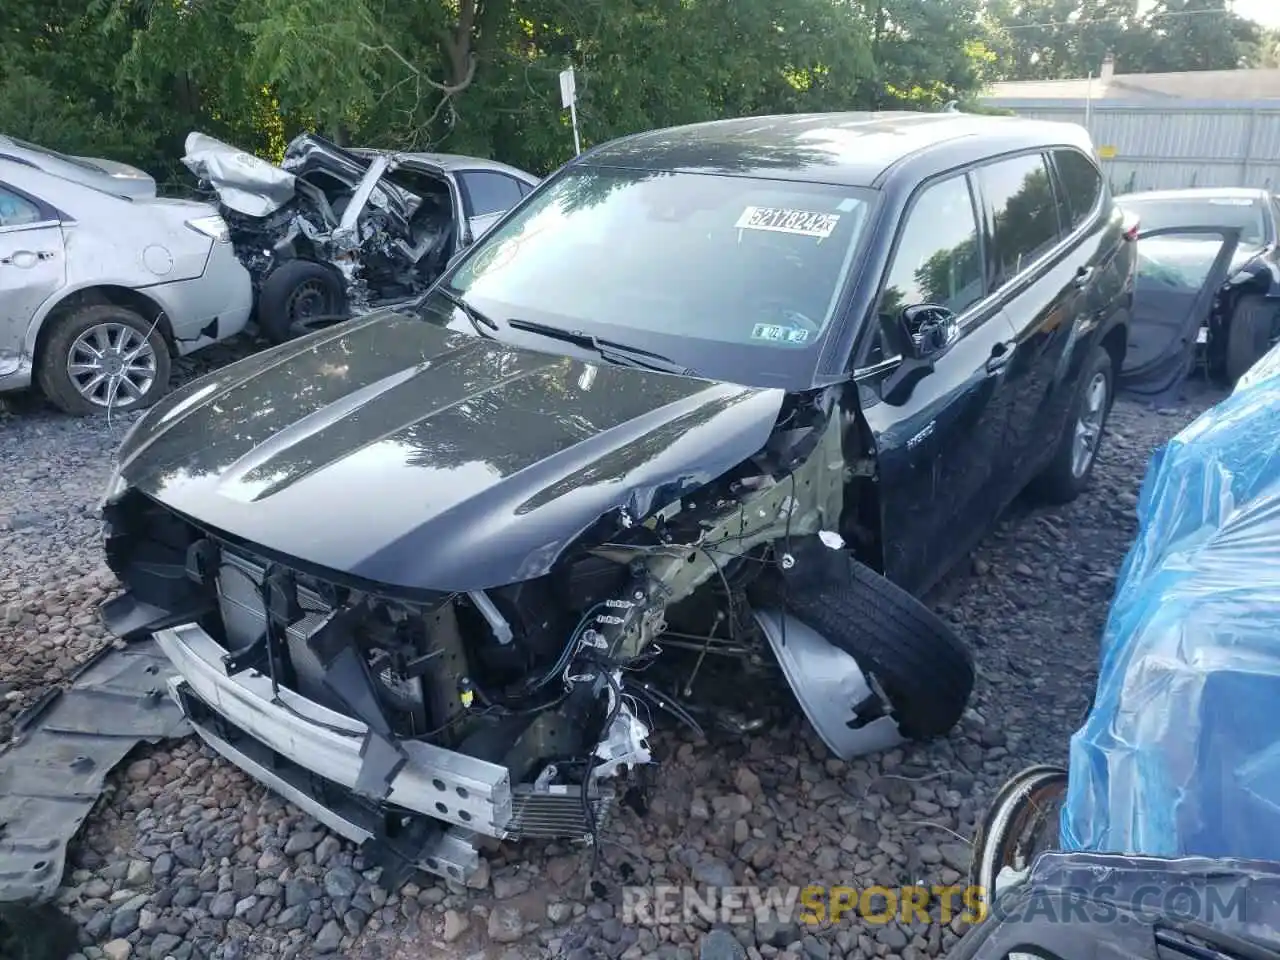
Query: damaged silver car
683	438
334	231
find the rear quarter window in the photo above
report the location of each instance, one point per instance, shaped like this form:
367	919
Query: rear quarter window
1080	183
16	211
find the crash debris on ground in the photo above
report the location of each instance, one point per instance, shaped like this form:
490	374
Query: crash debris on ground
63	747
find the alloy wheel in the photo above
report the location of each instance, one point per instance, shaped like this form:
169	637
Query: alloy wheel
1088	428
112	364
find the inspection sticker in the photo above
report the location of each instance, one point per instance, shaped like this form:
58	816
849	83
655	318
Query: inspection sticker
805	223
779	334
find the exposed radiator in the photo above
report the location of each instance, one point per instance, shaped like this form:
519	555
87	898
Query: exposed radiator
244	619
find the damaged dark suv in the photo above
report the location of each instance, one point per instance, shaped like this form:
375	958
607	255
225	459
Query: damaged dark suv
691	426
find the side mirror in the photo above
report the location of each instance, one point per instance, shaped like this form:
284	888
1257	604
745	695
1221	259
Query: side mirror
922	332
928	329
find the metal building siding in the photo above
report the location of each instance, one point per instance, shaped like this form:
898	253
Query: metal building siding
1163	147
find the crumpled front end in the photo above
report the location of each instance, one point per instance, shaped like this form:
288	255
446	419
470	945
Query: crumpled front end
332	206
417	722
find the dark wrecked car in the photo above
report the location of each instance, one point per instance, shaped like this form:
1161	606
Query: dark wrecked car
1208	283
335	231
686	428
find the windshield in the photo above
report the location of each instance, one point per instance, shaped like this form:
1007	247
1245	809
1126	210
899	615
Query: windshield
734	277
1242	212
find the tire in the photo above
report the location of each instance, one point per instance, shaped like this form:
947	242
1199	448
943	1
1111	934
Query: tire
1063	480
1249	333
924	669
298	293
66	376
1020	822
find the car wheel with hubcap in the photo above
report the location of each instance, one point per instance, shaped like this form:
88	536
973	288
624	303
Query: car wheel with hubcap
1072	465
103	357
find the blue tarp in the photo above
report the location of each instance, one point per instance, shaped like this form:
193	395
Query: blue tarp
1180	754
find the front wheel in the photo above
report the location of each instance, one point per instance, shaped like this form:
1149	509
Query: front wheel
103	357
1069	471
296	295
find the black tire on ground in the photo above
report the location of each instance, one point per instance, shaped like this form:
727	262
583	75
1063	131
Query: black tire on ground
924	669
296	294
1249	333
1061	482
57	375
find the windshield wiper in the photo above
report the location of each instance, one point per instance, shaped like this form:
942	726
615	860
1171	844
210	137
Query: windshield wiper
477	318
607	349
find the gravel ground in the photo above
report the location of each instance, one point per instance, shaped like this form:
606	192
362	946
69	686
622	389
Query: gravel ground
187	857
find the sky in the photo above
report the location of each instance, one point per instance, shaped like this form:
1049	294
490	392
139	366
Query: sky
1266	12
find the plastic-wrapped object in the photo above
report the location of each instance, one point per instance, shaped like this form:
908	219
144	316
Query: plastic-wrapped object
1180	754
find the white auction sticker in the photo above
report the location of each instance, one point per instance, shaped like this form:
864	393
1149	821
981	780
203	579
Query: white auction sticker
805	223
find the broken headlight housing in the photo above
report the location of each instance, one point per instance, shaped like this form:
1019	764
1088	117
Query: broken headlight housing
213	227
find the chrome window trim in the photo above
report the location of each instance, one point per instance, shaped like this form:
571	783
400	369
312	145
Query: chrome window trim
19	227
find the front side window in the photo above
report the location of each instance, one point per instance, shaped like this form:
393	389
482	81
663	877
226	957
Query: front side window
1081	184
690	263
1024	214
938	259
16	211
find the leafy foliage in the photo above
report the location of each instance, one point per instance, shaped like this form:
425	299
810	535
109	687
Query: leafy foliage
1052	39
128	79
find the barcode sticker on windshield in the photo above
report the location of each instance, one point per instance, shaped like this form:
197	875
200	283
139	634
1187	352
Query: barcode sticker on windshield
1230	202
804	223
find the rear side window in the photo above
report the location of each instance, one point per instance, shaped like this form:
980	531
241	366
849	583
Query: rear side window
490	192
1024	215
16	211
1081	184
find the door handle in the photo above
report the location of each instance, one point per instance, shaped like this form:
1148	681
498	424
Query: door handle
1083	276
1001	354
26	258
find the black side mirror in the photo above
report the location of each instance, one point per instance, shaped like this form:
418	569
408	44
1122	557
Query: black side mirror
921	332
928	328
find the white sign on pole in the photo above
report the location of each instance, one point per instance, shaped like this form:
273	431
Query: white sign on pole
569	100
568	89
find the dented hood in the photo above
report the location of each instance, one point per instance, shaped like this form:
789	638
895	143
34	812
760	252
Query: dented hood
243	182
398	451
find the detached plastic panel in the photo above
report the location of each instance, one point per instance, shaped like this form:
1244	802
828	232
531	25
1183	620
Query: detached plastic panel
1180	754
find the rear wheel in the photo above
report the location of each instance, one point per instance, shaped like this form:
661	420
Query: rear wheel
103	357
296	295
1069	471
1249	333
